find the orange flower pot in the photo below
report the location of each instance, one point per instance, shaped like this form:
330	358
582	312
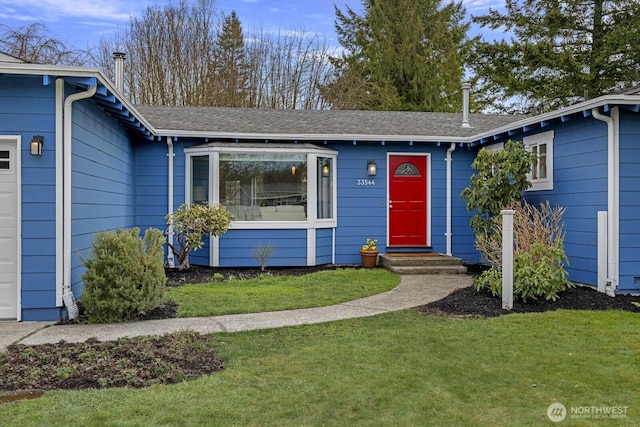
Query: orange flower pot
369	258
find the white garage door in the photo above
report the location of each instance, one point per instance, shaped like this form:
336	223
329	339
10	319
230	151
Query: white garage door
9	261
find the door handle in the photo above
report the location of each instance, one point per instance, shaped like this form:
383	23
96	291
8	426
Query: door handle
390	204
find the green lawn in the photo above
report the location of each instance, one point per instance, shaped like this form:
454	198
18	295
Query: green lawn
272	293
400	369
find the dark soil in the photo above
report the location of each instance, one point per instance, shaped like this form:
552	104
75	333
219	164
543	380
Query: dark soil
468	302
25	372
131	362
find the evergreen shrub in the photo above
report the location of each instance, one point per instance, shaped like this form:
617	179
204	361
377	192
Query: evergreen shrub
124	275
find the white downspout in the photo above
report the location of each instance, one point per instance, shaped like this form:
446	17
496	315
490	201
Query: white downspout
449	185
59	191
170	154
67	294
613	202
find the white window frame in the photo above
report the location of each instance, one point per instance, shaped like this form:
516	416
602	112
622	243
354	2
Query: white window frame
544	138
312	152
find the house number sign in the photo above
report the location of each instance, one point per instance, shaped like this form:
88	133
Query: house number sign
367	182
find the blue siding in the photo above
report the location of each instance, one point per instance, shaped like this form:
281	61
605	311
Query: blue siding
152	184
103	181
362	210
27	108
324	246
629	265
237	246
580	185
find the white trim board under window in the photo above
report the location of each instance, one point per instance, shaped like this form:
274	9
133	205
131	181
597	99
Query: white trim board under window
541	175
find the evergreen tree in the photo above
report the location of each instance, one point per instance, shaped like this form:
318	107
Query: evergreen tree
230	70
400	55
556	52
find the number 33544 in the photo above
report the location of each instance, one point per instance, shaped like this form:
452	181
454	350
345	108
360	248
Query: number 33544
366	182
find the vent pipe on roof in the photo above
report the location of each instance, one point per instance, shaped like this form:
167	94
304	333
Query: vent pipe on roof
466	87
118	58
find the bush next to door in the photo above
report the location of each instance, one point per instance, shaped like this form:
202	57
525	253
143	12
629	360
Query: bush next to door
124	275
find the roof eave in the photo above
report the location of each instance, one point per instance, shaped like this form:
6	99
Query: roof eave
307	136
556	114
73	71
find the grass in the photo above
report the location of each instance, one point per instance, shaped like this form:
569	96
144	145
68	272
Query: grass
401	369
272	293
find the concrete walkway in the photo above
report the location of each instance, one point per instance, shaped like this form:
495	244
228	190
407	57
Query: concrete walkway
413	291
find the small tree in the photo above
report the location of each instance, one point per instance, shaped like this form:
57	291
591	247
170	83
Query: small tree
191	223
500	181
262	253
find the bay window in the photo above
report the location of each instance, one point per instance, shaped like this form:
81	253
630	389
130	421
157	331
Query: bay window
265	186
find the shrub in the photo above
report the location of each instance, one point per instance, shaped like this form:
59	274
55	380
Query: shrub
531	224
500	181
191	223
538	253
124	275
538	273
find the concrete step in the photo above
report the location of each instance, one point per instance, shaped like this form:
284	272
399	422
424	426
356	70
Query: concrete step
422	264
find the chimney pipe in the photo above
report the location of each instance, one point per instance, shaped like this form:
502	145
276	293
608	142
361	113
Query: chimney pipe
466	87
118	57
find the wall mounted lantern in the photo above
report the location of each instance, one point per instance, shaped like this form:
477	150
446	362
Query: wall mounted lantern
372	169
36	145
325	169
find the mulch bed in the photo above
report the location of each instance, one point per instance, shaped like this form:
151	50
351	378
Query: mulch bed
468	302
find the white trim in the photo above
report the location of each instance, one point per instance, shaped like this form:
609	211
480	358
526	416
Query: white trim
311	246
214	251
16	165
428	190
544	138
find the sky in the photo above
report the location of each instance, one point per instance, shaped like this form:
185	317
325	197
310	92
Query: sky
81	23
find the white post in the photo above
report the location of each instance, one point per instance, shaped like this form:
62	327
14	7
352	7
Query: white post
507	259
603	251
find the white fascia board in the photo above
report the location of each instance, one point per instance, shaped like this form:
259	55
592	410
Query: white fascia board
309	137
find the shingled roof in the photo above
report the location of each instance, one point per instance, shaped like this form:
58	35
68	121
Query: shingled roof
318	124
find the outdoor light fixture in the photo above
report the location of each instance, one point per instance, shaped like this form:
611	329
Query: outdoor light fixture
325	170
36	145
372	169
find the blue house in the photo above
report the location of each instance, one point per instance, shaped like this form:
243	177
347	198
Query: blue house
76	157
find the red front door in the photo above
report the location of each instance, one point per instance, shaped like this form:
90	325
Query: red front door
407	200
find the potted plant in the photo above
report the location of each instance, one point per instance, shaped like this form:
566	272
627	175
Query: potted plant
369	253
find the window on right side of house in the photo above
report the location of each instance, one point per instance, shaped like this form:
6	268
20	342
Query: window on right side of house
541	175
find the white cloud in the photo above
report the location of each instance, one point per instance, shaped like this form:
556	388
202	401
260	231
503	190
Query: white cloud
54	10
477	6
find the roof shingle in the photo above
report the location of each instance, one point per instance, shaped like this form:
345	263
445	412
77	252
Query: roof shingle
324	124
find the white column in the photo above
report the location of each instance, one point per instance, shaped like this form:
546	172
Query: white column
507	259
